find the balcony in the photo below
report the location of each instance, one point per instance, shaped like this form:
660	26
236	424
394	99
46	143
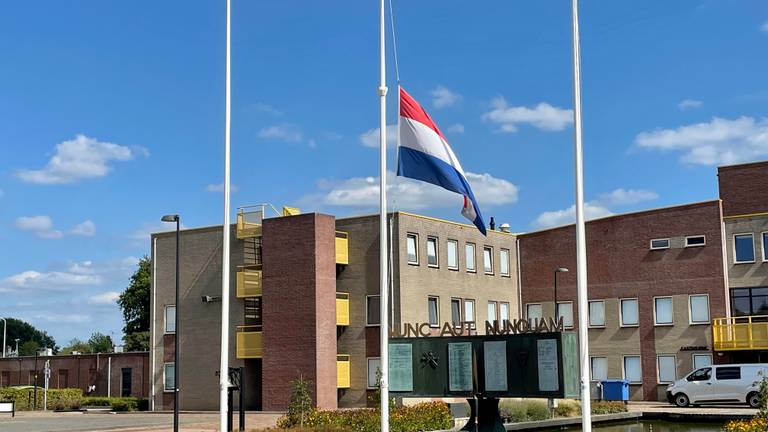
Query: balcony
342	248
248	283
342	371
740	333
249	342
342	309
249	223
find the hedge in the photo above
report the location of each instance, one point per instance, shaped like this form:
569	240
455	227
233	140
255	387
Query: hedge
58	399
516	411
117	403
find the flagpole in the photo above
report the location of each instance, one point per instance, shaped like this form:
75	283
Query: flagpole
383	257
224	365
581	249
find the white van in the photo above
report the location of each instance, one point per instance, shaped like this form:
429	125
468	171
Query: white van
719	383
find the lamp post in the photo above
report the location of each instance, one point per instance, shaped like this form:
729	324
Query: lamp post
5	327
17	347
175	218
558	270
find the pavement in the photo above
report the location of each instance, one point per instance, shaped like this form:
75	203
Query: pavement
669	410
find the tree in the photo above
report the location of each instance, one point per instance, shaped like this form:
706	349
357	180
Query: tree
134	302
25	332
300	406
100	343
76	345
29	348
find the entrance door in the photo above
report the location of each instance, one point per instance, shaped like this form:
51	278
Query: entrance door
126	383
699	387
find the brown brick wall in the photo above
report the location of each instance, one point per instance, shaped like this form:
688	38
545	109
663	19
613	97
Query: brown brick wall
744	188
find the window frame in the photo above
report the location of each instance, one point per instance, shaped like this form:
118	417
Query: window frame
658	368
762	246
624	368
415	237
437	311
490	256
436	241
165	319
474	312
693	360
165	377
656	323
621	312
690	310
589	315
367	321
495	311
474	257
557	313
688	245
461	310
368	371
447	259
527	314
669	243
591	368
502	319
754	252
501	260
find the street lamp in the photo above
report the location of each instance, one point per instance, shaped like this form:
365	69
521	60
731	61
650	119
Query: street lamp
558	270
175	218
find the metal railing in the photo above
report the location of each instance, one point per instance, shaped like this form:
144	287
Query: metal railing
740	333
249	344
343	365
248	283
342	309
342	247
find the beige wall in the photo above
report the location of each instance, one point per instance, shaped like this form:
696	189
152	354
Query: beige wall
747	274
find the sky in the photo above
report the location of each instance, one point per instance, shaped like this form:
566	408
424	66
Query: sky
112	115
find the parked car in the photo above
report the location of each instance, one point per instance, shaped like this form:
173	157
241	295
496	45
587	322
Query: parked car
733	383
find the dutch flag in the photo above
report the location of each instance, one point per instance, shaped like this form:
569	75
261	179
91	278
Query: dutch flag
424	154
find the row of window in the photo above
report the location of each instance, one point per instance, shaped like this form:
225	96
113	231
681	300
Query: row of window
632	371
452	255
749	301
690	241
744	247
698	311
462	310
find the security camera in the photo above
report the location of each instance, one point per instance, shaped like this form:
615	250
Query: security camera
210	299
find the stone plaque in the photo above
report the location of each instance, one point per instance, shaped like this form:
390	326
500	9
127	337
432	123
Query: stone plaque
547	350
460	366
495	361
400	367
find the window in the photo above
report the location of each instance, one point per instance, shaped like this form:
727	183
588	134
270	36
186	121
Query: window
374	368
488	259
433	311
662	310
728	373
491	311
125	388
749	301
699	308
629	315
632	370
469	311
697	240
533	311
504	262
702	360
456	312
504	312
431	251
598	368
660	244
252	311
168	378
700	375
765	245
170	319
565	311
744	248
469	256
372	310
453	254
597	313
666	366
411	247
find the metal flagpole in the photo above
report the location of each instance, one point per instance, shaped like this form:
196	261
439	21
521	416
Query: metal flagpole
383	257
224	366
581	248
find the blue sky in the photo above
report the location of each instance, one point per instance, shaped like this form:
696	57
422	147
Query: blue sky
112	115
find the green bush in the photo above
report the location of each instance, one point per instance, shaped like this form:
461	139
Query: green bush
58	399
516	411
608	407
117	403
425	416
96	401
124	404
568	408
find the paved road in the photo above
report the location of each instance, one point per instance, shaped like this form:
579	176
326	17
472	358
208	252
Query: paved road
129	422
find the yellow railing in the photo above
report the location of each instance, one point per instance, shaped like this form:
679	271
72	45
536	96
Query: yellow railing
248	283
342	247
249	223
342	371
740	333
249	342
342	309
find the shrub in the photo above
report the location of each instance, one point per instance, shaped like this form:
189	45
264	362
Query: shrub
300	408
124	404
116	403
58	399
425	416
568	408
96	401
608	407
757	424
516	411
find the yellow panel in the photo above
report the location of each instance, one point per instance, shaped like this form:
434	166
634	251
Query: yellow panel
248	283
342	309
342	248
248	344
342	371
247	229
291	211
740	333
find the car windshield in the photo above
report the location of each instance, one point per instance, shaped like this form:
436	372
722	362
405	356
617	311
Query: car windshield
702	374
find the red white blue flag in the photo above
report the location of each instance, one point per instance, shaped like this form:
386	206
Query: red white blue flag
424	154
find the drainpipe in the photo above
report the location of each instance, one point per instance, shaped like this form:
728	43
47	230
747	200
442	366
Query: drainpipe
109	377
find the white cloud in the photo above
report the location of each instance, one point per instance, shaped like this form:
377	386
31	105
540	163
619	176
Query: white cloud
407	194
370	138
720	141
82	268
267	109
543	116
283	132
568	216
48	281
689	103
443	97
41	226
456	128
86	229
80	159
65	318
622	196
107	298
219	187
